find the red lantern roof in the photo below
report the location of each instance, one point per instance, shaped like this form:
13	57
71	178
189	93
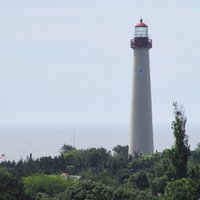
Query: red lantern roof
141	24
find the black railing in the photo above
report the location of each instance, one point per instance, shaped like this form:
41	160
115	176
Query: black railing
141	42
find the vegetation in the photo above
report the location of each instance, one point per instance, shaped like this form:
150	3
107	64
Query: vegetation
171	174
181	149
10	187
49	184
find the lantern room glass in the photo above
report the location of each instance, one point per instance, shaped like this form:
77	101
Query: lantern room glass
141	31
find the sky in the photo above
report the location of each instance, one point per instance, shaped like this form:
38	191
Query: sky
70	61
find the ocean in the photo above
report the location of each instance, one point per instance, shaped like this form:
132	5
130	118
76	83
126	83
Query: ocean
17	142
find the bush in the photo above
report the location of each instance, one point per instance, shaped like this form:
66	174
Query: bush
50	185
10	187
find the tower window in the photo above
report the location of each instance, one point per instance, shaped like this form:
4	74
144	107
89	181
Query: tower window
141	70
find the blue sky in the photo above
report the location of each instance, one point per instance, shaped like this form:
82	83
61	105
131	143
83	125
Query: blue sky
69	61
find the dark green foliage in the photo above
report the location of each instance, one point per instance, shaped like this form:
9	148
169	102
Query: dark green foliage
144	162
195	155
163	165
44	196
139	180
65	148
194	164
10	187
143	177
181	150
96	191
79	160
158	184
86	190
181	189
95	158
120	158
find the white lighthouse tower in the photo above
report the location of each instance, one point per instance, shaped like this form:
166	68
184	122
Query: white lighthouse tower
141	128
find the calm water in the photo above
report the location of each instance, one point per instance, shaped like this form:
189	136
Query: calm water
19	141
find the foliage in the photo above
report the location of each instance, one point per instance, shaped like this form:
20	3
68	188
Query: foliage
65	148
181	150
43	196
139	180
96	191
49	184
181	189
158	184
104	176
10	187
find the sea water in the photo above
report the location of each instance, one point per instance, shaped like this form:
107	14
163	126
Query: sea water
18	142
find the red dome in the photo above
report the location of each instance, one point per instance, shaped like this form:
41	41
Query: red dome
141	24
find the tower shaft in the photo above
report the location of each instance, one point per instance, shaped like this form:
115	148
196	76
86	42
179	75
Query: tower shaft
141	128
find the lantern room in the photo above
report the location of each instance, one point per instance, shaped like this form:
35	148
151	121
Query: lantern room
141	29
141	38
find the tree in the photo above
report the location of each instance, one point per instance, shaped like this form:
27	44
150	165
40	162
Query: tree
43	196
94	158
65	148
181	189
120	159
49	184
10	187
158	184
86	190
140	180
195	155
97	191
121	151
181	149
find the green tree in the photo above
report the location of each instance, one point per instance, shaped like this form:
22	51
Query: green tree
49	184
44	196
89	190
181	150
94	158
121	151
10	187
65	148
195	155
194	164
158	184
181	189
140	180
162	166
119	160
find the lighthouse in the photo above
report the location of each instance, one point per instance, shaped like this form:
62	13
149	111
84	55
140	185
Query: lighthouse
141	128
